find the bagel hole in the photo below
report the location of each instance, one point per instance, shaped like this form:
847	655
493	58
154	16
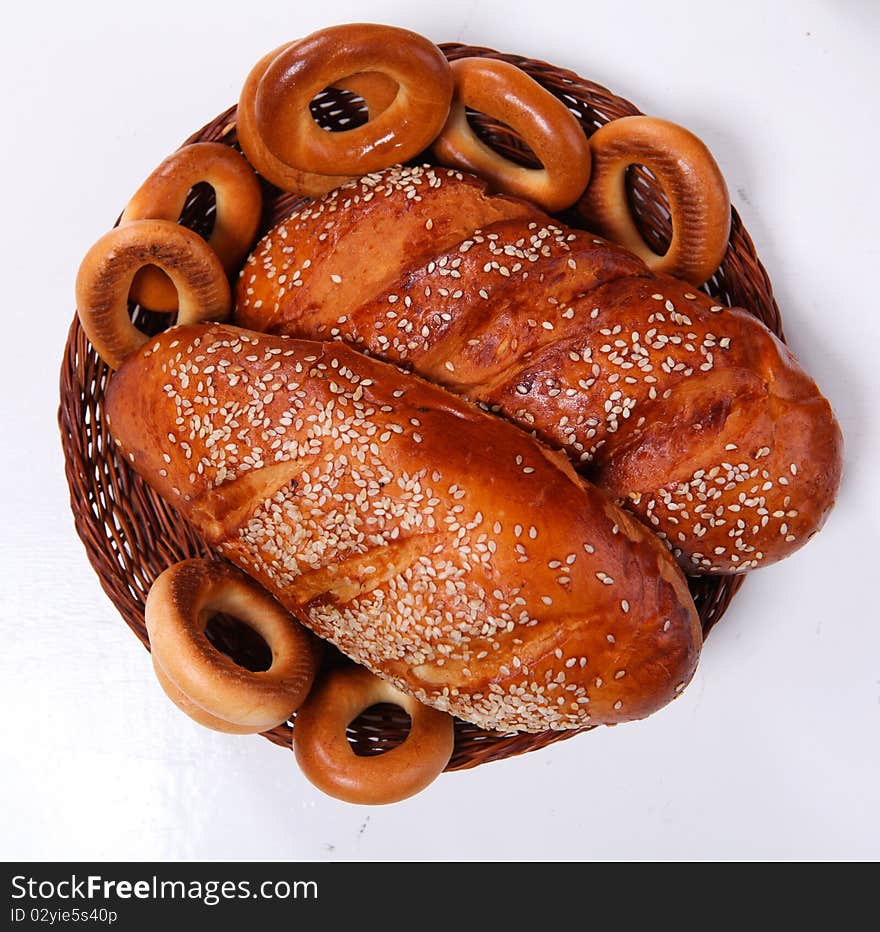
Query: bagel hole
152	322
238	641
337	110
649	207
200	209
378	729
199	213
502	138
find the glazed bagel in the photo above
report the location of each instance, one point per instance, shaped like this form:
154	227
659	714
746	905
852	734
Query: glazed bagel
503	91
326	758
105	277
163	195
305	68
376	90
690	177
179	606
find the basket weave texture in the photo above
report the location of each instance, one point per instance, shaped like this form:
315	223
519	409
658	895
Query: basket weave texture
131	535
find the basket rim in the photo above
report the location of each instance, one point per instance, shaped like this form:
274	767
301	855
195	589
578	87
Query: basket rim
109	546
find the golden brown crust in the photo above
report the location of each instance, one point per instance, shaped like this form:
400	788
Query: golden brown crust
279	173
408	97
305	68
691	179
328	760
105	276
511	96
445	550
162	196
206	684
195	711
692	415
333	253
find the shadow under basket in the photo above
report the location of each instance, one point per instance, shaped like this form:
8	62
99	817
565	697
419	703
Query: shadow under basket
131	535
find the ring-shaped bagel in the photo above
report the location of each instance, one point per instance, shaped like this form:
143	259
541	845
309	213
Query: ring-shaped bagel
508	94
376	90
698	198
328	761
196	712
239	203
179	606
106	274
406	127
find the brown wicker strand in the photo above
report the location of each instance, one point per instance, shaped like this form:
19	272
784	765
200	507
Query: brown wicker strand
131	535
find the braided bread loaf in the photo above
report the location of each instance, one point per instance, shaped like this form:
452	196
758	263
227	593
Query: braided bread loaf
693	416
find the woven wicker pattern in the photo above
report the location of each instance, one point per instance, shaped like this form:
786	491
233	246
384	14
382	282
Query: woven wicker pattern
131	535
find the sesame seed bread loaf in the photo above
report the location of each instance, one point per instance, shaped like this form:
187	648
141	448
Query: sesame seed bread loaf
693	416
441	547
353	243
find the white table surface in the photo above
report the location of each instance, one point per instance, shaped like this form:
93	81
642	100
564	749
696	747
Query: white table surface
771	752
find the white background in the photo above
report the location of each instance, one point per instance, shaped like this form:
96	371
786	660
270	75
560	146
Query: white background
773	750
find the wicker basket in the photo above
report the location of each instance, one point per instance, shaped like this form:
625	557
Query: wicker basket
131	535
